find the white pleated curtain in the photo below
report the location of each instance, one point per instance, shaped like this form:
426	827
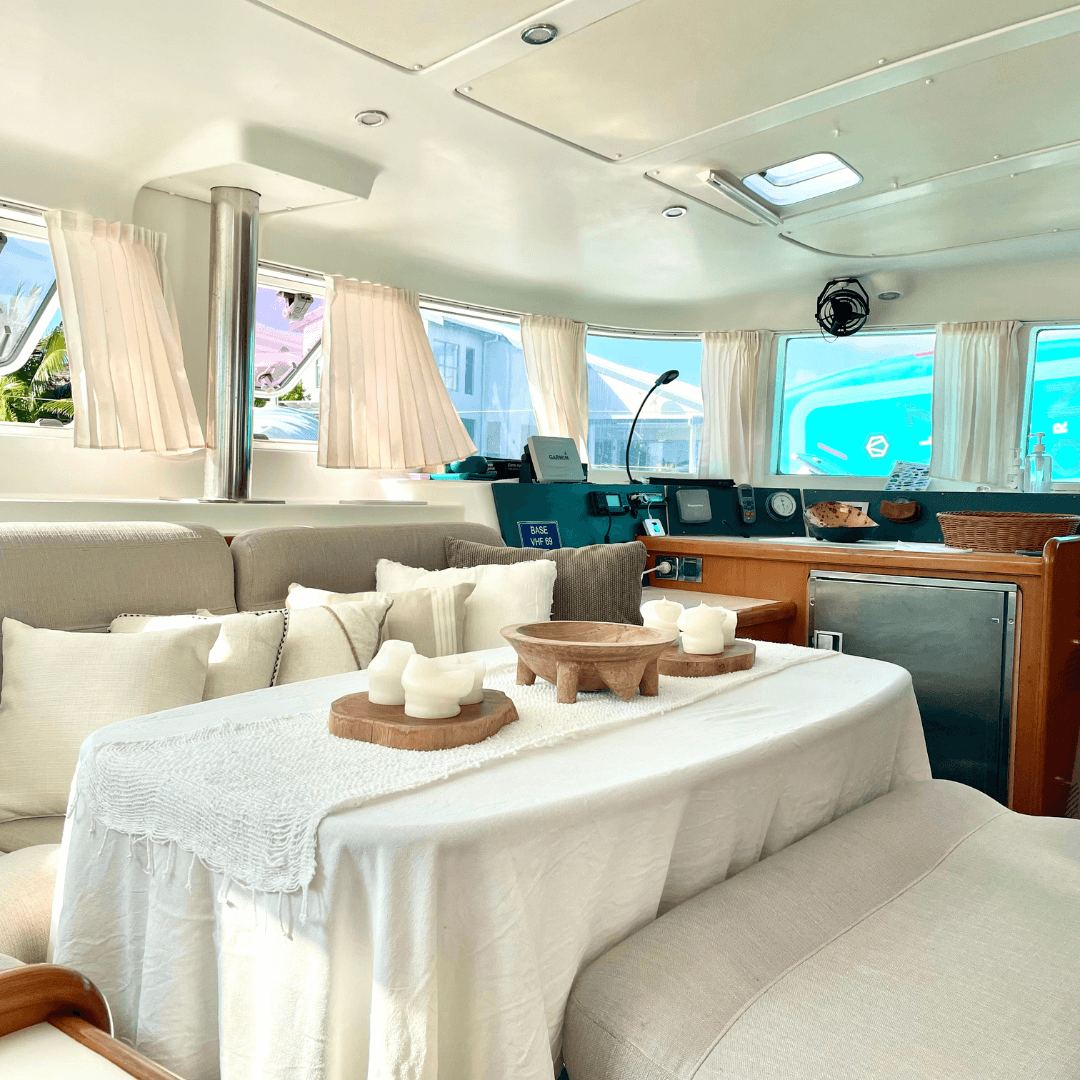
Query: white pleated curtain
558	377
129	388
382	402
978	386
733	413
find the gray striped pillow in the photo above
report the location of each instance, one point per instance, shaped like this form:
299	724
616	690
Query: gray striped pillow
600	583
432	619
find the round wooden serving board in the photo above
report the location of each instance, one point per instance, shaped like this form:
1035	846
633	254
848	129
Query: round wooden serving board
354	717
737	657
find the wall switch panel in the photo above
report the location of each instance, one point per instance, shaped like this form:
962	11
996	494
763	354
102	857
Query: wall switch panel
689	568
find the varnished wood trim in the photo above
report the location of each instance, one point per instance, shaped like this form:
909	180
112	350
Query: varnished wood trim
32	994
122	1056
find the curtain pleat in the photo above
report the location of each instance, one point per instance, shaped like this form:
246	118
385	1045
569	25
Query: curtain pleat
978	387
732	414
129	387
382	401
558	377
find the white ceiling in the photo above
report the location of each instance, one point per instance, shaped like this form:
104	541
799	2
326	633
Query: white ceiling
496	180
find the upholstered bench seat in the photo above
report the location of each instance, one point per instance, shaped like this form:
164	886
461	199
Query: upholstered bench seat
930	934
27	879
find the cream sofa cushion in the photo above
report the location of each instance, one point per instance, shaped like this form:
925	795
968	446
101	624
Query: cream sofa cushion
432	620
59	687
245	655
27	879
504	595
31	831
330	640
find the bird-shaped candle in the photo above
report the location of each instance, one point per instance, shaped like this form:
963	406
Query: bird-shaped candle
433	692
385	670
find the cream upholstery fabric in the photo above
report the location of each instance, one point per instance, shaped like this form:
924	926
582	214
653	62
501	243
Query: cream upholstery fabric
245	655
521	593
339	559
328	641
28	832
433	620
9	963
27	878
930	934
59	687
128	382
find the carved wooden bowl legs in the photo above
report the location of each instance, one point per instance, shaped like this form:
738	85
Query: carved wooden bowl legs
624	679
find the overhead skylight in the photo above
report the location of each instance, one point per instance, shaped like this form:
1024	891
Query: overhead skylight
804	178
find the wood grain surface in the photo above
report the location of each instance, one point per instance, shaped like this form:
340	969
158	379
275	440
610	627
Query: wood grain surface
736	657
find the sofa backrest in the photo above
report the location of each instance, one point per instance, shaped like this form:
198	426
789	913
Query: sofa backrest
80	576
340	558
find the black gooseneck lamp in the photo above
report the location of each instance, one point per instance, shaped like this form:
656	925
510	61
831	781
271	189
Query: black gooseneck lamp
662	380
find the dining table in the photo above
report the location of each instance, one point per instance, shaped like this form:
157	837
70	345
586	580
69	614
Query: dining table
444	925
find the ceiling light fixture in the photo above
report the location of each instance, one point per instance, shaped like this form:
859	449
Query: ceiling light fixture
540	34
804	178
674	211
737	195
371	118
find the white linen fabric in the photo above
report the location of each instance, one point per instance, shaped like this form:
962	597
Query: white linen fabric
245	655
978	386
59	687
558	377
731	366
504	595
432	620
445	925
325	641
129	386
262	832
382	404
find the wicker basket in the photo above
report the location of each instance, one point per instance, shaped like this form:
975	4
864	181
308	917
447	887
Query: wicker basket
987	530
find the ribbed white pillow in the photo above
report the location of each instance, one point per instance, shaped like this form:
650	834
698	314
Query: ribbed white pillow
60	687
504	595
245	655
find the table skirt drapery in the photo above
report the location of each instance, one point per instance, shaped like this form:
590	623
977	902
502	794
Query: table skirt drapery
445	925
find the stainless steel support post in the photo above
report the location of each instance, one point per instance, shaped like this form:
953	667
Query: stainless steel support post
234	264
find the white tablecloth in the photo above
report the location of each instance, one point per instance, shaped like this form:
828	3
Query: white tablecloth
445	925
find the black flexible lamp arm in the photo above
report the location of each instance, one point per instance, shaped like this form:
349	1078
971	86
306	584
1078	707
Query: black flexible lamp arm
663	380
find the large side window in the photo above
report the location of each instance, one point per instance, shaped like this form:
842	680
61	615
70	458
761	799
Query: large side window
621	370
855	406
35	378
1055	398
483	367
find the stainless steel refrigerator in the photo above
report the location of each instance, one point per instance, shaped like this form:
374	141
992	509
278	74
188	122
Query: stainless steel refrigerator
957	638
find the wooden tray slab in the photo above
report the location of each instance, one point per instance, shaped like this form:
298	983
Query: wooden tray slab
354	717
737	657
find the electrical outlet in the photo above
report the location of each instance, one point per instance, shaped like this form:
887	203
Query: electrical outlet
673	573
689	569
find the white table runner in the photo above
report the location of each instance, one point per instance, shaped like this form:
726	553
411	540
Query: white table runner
247	798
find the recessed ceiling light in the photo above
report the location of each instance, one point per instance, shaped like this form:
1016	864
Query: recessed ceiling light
540	34
804	178
674	211
371	118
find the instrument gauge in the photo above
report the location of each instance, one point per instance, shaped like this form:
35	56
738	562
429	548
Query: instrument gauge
781	505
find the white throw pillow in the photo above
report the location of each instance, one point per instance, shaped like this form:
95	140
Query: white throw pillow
504	595
328	641
245	655
60	687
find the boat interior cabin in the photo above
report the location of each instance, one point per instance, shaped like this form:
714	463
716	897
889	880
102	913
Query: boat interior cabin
540	541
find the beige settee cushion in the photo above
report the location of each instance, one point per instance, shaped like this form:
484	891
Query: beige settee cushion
931	933
27	878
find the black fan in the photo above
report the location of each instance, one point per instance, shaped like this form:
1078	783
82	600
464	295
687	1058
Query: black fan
842	308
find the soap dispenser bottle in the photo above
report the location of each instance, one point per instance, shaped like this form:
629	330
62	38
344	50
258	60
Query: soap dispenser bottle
1039	467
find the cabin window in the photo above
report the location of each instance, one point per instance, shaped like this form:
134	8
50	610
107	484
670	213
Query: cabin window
35	379
622	368
855	406
480	359
1055	398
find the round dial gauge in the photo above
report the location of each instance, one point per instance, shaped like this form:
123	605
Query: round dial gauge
781	505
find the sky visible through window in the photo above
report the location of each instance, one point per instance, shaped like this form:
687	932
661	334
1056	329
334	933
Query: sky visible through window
1055	399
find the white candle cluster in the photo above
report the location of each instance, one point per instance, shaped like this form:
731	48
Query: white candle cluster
429	689
705	629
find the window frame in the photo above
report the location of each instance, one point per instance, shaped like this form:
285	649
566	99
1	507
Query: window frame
768	473
1027	344
278	276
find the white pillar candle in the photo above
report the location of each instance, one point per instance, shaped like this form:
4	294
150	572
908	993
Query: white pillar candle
469	663
662	614
433	692
385	670
702	630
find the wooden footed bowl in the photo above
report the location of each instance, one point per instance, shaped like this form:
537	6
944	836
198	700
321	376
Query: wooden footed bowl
588	656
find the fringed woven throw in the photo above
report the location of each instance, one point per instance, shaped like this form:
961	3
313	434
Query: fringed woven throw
247	799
